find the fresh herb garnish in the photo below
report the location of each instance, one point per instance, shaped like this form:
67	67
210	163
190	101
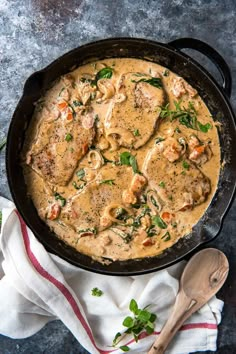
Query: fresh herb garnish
3	143
154	202
141	320
166	72
105	73
137	220
162	184
127	159
68	137
177	130
154	81
77	103
166	237
121	214
76	186
72	110
150	231
186	116
96	292
107	181
185	165
136	132
157	220
63	88
204	127
92	230
59	197
81	173
124	348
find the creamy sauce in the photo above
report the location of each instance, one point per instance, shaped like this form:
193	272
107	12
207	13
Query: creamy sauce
121	159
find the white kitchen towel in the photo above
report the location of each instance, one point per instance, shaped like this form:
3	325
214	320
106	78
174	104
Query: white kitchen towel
37	287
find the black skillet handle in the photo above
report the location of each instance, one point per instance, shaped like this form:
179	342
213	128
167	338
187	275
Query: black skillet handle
210	53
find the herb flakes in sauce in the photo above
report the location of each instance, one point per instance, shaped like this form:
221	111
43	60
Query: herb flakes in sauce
157	220
107	181
166	237
68	137
59	197
80	173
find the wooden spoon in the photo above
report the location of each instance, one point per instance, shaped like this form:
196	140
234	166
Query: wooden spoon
202	277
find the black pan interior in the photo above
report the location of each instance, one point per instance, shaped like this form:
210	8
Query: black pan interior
206	229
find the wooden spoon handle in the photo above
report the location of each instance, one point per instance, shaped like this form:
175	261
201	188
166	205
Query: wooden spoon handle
183	308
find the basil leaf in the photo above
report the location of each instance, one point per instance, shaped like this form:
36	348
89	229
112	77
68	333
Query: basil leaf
77	103
125	158
125	348
118	335
81	173
157	220
129	160
59	197
166	237
154	81
133	306
185	165
136	132
144	316
133	163
105	73
68	137
204	127
128	322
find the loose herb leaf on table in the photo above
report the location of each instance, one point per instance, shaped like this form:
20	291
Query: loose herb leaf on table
3	143
96	292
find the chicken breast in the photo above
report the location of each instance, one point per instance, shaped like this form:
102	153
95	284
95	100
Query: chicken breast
59	145
133	113
179	183
95	206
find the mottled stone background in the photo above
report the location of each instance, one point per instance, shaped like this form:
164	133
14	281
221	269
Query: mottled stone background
35	32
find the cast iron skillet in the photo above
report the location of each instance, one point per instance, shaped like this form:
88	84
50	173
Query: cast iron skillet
170	56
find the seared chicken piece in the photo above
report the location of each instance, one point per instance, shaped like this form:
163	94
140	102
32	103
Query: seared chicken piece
92	207
181	87
133	114
179	184
199	152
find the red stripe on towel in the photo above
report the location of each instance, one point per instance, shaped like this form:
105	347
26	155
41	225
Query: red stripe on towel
60	286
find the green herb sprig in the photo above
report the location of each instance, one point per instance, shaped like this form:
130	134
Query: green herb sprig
186	116
157	220
141	320
59	197
154	81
